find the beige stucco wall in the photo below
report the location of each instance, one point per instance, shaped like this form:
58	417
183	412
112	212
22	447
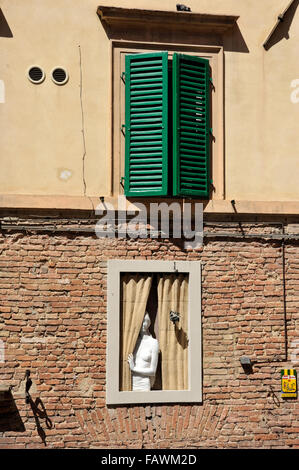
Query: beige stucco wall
262	144
42	124
42	148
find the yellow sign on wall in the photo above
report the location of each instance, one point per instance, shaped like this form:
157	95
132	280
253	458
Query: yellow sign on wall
288	383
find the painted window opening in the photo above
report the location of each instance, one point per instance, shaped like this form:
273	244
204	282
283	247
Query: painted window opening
167	125
154	332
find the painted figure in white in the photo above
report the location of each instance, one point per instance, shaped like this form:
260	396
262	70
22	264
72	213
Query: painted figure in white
143	362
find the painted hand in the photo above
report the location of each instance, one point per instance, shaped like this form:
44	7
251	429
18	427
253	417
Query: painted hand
131	361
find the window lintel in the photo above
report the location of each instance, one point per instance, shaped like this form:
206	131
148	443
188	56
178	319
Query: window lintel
205	22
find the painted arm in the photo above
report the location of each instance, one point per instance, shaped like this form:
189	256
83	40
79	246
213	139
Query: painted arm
146	371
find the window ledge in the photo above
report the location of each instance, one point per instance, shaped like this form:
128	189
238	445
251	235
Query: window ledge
84	203
5	390
114	16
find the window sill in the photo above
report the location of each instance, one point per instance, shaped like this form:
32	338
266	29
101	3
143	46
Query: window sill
84	203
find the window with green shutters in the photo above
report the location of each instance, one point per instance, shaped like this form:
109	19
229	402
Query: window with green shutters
167	125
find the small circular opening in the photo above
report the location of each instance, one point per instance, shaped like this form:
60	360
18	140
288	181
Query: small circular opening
59	76
36	74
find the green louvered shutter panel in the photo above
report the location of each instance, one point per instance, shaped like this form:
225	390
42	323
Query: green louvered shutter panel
191	126
146	124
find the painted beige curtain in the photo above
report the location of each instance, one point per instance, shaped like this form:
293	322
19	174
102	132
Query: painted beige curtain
173	339
135	292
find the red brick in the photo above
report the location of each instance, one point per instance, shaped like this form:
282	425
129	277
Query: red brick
242	315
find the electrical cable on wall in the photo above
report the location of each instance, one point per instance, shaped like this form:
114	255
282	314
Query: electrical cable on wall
83	130
82	121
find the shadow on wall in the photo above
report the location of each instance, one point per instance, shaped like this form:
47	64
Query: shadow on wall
5	31
233	41
10	419
38	410
281	29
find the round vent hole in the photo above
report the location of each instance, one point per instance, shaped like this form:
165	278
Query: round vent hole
36	74
59	76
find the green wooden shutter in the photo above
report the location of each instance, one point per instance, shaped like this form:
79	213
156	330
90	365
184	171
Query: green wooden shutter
146	124
191	126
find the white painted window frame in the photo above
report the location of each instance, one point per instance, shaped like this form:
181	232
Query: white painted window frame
194	394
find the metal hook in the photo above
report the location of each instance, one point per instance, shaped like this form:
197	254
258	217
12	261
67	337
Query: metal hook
27	386
174	317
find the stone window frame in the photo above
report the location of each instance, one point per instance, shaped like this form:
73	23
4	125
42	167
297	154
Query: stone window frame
216	58
194	394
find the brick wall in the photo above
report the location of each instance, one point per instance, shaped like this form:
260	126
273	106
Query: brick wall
53	322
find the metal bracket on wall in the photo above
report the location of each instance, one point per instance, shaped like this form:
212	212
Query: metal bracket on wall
27	386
